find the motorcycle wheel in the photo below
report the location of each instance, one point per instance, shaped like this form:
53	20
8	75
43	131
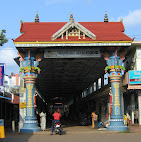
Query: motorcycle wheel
60	133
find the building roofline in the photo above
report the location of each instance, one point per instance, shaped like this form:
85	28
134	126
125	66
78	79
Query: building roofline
136	43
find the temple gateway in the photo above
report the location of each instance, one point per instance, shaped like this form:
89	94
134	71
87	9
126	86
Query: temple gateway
66	64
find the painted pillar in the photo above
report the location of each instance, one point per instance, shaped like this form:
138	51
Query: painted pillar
30	66
115	68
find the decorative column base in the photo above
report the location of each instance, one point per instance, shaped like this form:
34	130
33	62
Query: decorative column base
117	124
30	125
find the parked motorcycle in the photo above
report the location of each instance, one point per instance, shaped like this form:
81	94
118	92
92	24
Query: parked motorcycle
58	129
84	121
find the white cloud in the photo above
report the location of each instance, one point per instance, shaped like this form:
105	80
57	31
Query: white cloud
7	55
132	19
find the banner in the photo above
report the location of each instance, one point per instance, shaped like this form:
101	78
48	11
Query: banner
135	77
2	66
72	53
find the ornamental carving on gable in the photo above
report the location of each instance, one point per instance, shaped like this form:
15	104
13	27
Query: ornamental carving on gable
73	29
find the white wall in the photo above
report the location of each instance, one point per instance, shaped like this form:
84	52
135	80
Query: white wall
138	58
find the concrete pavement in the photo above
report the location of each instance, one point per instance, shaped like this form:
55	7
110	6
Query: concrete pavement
134	128
77	133
96	137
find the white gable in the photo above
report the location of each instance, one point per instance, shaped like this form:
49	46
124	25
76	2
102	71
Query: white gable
73	28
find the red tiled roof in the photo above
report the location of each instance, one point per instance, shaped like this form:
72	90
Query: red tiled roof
43	31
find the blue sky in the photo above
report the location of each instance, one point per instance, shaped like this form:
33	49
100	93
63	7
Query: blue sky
12	11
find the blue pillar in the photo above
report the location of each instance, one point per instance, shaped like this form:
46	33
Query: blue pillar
30	66
115	68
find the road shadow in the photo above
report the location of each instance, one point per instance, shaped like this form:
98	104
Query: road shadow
11	136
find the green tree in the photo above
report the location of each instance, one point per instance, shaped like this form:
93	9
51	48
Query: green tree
2	37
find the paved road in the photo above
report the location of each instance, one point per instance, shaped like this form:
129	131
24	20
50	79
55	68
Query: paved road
101	137
75	134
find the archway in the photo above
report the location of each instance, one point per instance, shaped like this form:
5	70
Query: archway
72	59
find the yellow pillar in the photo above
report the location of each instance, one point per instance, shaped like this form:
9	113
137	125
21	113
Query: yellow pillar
2	132
93	115
93	125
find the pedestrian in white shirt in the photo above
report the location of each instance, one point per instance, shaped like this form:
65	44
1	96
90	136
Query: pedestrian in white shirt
43	120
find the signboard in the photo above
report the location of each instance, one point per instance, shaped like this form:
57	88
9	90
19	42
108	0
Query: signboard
22	105
1	73
134	77
72	53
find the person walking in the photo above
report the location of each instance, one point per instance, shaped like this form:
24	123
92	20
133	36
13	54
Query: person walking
136	116
43	120
94	118
56	116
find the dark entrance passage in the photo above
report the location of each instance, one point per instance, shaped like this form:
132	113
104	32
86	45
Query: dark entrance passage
62	81
68	77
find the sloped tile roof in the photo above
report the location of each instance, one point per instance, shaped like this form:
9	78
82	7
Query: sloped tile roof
43	31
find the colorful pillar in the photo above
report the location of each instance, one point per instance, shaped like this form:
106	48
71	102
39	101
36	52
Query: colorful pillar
115	69
29	66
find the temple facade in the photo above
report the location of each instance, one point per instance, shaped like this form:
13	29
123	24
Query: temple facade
62	40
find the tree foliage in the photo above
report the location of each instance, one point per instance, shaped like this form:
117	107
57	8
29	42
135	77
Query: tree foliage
2	37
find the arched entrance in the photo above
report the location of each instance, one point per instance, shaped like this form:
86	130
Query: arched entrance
72	59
